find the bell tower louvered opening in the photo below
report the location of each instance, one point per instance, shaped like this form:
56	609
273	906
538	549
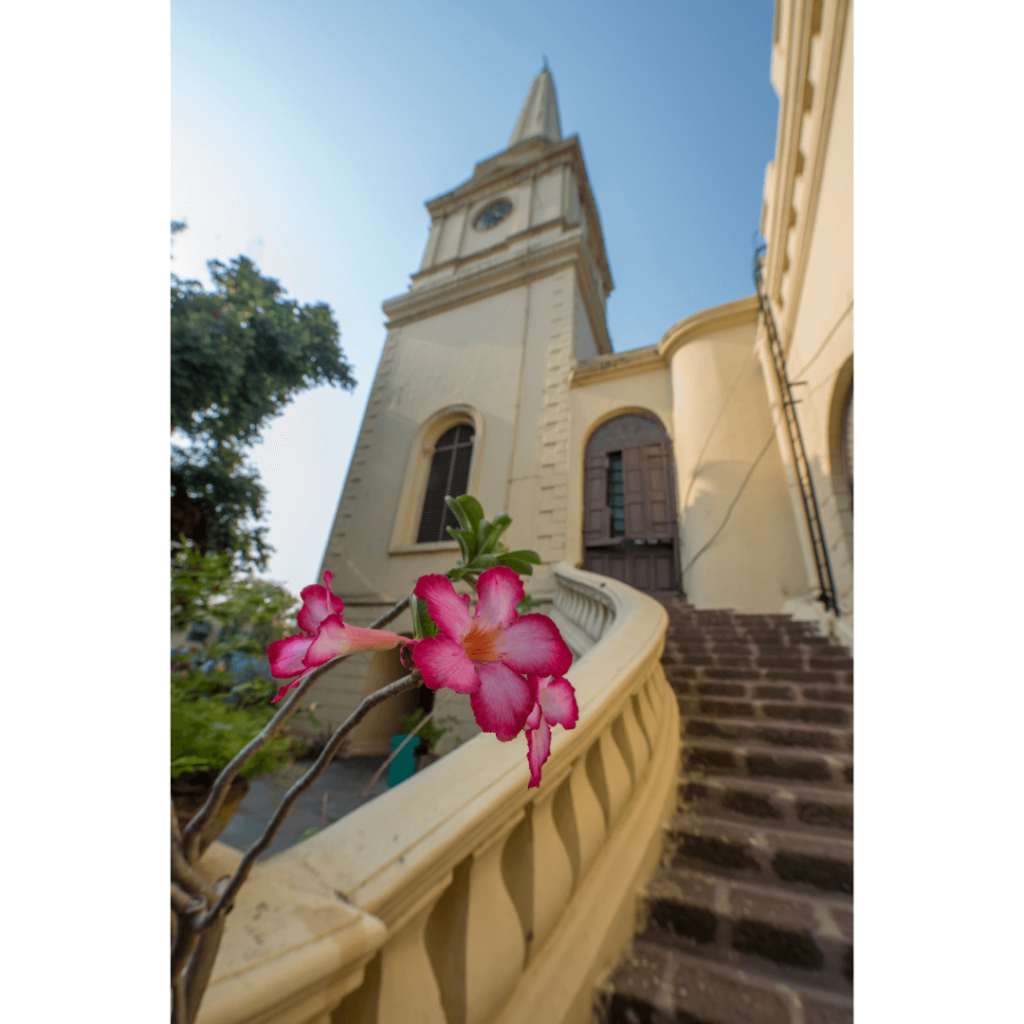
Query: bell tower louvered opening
449	475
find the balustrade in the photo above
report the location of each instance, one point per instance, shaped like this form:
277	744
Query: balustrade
477	899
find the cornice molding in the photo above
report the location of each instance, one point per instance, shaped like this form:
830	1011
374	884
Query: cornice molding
615	365
510	167
518	270
708	321
789	236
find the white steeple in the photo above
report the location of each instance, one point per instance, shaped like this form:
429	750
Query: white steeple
539	115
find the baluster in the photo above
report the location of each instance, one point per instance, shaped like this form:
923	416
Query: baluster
616	777
589	819
643	715
409	992
495	947
552	868
637	740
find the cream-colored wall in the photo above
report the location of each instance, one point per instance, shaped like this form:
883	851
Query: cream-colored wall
596	401
507	358
822	332
808	225
733	494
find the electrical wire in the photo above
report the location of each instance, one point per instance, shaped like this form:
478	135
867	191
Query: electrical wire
732	504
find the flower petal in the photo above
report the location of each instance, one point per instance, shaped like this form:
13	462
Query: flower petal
533	645
500	590
334	638
558	701
287	656
447	609
284	689
504	700
317	603
538	746
443	662
533	722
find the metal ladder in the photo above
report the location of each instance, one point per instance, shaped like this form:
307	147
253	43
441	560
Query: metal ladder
827	595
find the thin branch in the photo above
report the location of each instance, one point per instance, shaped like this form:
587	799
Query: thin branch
223	782
200	964
188	877
390	615
186	903
179	1012
408	682
394	753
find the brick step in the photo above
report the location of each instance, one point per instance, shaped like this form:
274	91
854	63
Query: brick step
752	689
655	984
755	927
765	710
755	661
801	653
816	810
739	850
711	756
779	734
707	669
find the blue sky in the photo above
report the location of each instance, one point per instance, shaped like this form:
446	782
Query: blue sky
309	135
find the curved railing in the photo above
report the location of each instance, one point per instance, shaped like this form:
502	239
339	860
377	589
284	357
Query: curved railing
462	896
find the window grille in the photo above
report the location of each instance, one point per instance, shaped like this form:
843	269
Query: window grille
449	475
616	496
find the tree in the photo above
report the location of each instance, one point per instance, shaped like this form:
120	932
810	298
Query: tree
239	353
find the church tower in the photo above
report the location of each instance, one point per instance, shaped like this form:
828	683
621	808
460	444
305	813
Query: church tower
471	394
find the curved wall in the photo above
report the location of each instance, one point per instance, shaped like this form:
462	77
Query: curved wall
740	547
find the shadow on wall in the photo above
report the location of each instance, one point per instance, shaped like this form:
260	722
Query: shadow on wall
740	544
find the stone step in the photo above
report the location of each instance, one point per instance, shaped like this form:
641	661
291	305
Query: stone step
655	984
816	810
807	937
711	756
769	710
772	856
751	689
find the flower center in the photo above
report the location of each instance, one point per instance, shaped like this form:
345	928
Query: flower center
479	644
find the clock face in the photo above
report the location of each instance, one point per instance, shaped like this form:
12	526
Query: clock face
493	214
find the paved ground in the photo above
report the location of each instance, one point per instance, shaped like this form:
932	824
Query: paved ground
342	784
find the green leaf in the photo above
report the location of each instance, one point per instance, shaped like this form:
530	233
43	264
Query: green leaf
522	568
482	562
497	528
458	511
473	509
459	535
525	556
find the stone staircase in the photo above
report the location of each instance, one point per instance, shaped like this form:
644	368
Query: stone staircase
750	916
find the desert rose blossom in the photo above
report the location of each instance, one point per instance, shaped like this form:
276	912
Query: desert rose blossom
324	636
556	705
489	655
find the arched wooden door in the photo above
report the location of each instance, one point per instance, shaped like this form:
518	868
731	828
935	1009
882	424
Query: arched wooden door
629	517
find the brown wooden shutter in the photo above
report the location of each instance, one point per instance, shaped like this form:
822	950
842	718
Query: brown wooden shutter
635	492
658	484
596	519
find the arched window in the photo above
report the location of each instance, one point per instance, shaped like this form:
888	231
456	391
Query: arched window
449	475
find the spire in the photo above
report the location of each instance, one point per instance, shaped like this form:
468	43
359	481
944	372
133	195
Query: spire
539	115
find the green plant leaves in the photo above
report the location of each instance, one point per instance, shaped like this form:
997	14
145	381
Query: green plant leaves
480	541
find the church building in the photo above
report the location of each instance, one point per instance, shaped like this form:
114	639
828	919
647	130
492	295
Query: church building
715	463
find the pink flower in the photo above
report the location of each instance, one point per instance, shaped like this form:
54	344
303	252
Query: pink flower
556	705
324	636
490	654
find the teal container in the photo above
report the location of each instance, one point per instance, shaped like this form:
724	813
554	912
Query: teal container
405	764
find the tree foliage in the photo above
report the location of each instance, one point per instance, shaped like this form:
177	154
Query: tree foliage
239	354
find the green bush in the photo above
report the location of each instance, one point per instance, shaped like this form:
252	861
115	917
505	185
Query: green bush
207	731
